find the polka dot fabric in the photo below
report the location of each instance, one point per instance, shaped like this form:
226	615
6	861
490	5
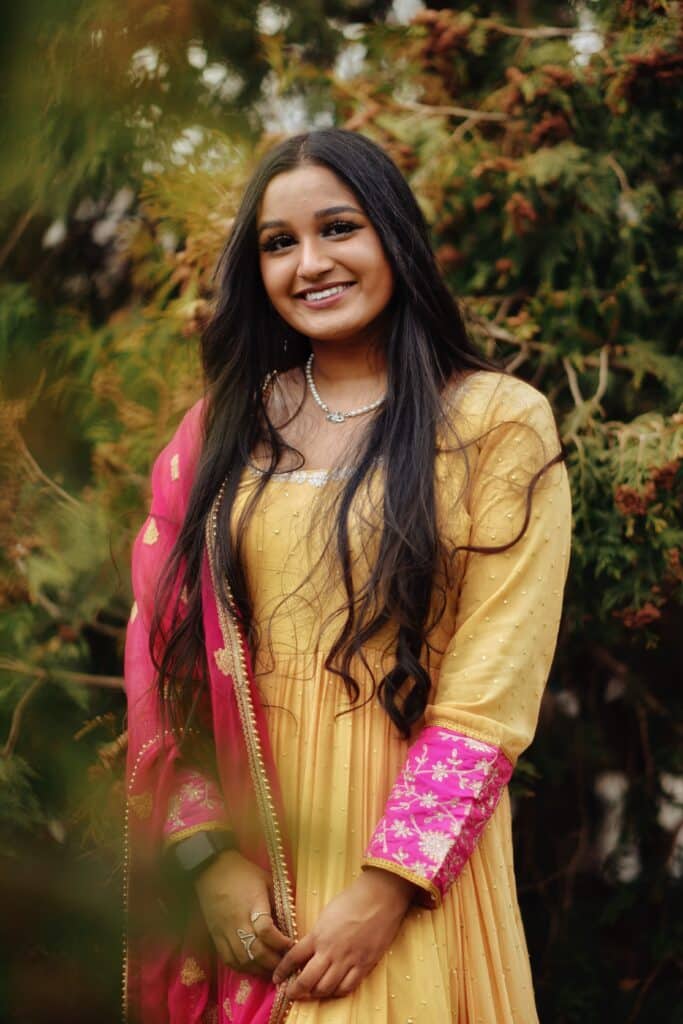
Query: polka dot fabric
464	960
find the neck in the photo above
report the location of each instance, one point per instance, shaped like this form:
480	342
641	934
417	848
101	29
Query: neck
356	373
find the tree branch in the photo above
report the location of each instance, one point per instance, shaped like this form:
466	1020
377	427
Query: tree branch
16	233
45	675
612	163
41	677
645	988
520	358
449	111
540	32
573	382
603	375
37	472
20	707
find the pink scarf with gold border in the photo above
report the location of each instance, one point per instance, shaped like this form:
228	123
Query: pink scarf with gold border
171	972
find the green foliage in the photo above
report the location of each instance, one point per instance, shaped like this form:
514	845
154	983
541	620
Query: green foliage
552	188
20	809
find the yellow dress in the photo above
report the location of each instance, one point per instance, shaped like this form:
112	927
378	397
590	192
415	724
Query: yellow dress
466	959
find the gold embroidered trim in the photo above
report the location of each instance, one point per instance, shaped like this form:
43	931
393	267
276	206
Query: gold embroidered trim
141	805
151	534
175	467
282	892
192	830
475	734
191	972
243	992
225	661
410	876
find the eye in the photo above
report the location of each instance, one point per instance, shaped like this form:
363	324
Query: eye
340	227
276	243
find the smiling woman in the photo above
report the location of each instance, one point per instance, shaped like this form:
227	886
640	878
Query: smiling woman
361	538
323	257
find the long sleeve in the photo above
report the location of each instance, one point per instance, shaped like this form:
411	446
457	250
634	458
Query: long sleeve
485	703
196	805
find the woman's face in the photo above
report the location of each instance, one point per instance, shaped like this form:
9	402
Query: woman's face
322	263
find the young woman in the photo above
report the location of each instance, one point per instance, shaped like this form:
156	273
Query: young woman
347	600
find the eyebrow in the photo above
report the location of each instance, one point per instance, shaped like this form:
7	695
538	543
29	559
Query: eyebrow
329	211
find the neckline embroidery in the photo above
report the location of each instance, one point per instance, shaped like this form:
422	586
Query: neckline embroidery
314	477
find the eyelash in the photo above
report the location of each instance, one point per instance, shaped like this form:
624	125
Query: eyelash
273	243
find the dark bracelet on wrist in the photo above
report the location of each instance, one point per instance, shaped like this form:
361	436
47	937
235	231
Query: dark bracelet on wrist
194	854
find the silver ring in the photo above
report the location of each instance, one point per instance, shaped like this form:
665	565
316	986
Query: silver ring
247	939
256	914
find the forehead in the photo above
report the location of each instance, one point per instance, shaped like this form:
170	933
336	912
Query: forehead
303	191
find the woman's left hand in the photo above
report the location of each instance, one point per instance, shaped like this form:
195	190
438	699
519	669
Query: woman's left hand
351	935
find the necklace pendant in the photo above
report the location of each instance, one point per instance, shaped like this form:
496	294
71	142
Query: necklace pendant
335	417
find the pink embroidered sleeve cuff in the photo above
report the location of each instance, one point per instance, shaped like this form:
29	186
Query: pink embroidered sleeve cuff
448	788
196	806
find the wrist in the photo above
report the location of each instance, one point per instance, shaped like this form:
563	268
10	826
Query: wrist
393	886
196	853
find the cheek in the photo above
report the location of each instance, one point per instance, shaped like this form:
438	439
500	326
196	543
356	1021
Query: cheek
384	283
272	281
382	276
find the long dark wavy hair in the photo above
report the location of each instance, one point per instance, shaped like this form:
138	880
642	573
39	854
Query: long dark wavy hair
427	346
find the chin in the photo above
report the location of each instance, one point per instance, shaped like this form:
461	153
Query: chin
335	332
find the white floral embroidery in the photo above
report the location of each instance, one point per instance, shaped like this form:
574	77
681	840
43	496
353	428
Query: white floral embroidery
196	794
400	829
435	845
471	744
440	804
199	792
315	477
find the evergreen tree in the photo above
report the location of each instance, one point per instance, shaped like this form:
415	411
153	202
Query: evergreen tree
541	140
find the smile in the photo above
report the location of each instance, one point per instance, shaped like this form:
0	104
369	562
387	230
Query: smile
323	294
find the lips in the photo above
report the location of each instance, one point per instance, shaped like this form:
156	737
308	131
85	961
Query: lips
321	294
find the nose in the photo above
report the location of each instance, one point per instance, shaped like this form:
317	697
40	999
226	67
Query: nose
313	260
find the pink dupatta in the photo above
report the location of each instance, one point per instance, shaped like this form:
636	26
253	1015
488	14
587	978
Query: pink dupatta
172	974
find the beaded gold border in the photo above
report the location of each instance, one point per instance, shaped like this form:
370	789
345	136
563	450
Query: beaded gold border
234	644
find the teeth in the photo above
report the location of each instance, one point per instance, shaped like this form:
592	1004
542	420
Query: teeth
325	293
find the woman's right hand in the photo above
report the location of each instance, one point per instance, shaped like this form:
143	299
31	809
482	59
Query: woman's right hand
231	890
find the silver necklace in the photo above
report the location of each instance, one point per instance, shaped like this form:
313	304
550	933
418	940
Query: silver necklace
335	417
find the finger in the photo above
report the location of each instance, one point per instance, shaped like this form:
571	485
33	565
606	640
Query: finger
238	953
330	981
302	986
224	951
349	983
228	951
241	961
262	961
297	956
270	935
265	957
